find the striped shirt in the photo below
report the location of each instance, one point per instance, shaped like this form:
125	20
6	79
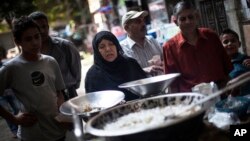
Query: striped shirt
142	53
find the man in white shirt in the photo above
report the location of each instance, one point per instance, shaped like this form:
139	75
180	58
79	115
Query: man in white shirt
145	49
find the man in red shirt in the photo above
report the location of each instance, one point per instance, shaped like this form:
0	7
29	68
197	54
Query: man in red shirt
196	53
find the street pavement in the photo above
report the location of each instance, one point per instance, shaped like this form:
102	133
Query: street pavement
6	135
86	63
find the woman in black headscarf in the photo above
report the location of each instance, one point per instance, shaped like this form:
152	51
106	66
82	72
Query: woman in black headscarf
111	68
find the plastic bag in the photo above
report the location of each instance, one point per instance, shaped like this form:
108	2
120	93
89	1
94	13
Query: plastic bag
223	120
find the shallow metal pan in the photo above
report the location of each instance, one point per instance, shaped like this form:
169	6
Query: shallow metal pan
97	101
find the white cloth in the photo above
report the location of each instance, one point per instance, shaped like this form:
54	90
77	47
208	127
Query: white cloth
35	85
142	53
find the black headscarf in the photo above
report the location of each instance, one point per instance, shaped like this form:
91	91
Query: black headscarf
110	67
104	75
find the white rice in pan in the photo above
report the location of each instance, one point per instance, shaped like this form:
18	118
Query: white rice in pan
148	117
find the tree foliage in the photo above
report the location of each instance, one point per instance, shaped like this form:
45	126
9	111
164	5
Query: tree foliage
62	10
15	8
65	10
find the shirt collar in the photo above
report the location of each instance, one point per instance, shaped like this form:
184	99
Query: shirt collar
182	40
130	42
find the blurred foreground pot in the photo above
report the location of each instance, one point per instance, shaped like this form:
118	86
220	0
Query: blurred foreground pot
186	128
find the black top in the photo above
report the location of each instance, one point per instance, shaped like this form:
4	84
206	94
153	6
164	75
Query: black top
104	75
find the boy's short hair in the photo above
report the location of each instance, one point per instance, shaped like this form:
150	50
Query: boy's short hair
38	15
22	24
230	31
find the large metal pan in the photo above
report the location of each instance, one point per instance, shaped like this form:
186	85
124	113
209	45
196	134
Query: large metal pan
181	128
95	101
150	86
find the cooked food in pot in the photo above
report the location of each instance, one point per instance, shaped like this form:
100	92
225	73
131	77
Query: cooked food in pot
143	123
150	117
88	108
91	103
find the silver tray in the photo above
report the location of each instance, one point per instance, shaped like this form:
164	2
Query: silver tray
97	101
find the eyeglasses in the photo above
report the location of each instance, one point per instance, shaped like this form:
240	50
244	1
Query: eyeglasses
190	17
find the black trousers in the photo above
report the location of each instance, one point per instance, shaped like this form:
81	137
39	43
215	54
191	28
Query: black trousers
70	93
61	139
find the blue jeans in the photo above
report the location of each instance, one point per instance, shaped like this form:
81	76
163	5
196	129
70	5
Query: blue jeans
10	103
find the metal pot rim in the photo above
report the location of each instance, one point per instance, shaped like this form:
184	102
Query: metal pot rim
103	133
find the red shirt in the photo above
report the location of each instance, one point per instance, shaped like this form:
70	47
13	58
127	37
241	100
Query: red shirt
205	62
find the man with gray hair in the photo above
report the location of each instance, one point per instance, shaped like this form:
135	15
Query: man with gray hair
145	49
196	53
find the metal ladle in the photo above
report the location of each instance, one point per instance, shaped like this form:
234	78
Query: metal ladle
78	129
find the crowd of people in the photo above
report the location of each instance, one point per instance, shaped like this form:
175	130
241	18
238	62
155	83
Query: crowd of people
47	72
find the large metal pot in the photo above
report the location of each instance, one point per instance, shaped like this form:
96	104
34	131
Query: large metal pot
151	86
182	128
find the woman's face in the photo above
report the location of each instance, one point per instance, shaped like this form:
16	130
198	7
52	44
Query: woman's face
108	50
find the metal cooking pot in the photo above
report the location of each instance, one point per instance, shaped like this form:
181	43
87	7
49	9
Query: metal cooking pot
150	86
181	128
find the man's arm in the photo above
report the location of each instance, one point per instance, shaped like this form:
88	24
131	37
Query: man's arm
169	64
24	119
7	115
60	98
75	64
